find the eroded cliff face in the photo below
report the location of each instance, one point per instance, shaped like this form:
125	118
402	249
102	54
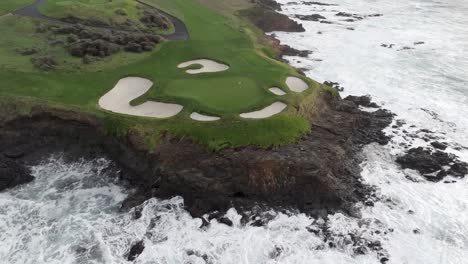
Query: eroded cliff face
317	175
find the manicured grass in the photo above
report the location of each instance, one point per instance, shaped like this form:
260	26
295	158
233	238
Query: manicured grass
219	94
244	87
7	6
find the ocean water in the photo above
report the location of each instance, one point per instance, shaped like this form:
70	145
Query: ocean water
70	212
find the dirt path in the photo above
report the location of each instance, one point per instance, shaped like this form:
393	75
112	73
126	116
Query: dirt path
180	30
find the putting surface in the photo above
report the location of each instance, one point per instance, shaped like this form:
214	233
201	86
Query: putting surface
219	95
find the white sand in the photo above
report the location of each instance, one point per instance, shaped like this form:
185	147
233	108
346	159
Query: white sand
118	100
277	91
296	84
268	111
207	66
204	118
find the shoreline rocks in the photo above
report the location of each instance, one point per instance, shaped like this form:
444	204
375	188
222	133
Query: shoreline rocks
434	165
269	20
318	175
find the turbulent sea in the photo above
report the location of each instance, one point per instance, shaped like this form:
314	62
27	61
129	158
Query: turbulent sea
70	212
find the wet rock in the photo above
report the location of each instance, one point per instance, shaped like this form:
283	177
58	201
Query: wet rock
384	260
317	3
137	212
387	45
136	250
288	51
269	20
12	173
225	220
313	17
433	165
270	4
344	14
335	85
204	224
317	183
276	252
362	101
439	145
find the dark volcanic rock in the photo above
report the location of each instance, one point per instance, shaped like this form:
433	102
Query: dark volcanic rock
226	221
433	165
439	145
269	20
270	4
317	3
313	17
12	173
335	85
319	174
136	250
288	51
362	101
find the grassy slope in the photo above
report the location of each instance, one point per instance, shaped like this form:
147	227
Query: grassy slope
7	6
211	36
99	10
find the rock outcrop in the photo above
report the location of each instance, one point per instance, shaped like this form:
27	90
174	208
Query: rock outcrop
12	173
319	174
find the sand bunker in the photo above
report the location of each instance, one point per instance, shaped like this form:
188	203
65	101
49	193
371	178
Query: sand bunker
207	66
277	91
268	111
296	84
118	100
204	118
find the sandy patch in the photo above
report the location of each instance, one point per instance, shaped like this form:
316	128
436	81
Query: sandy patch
203	118
277	91
268	111
118	100
296	84
207	66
